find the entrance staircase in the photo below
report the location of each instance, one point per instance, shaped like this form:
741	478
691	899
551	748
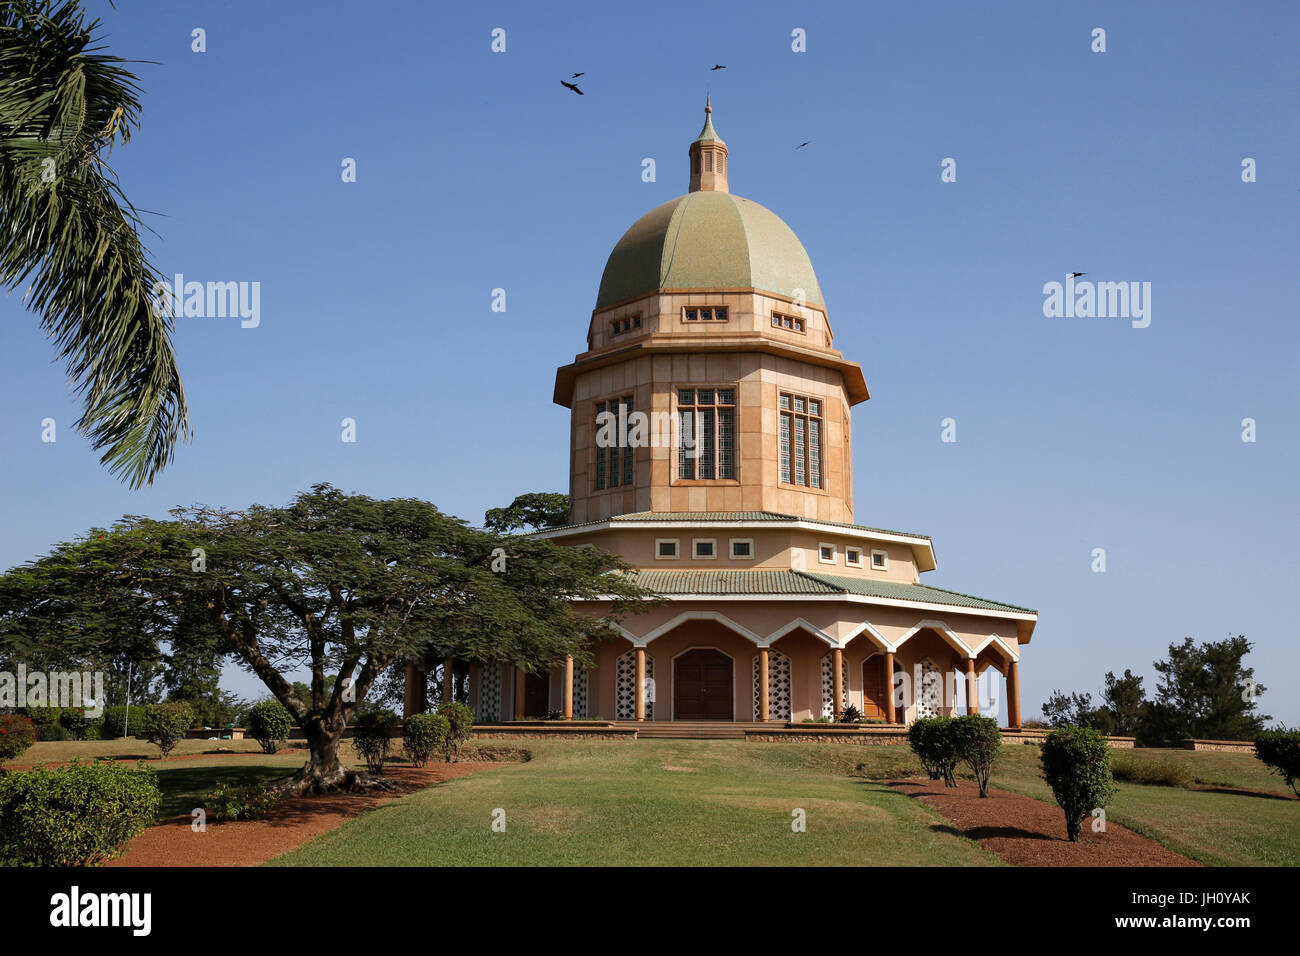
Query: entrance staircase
693	729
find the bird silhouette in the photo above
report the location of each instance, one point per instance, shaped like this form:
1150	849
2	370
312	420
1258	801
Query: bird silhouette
802	145
718	67
572	86
576	75
1075	275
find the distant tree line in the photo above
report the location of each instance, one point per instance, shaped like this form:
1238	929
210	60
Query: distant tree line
1204	691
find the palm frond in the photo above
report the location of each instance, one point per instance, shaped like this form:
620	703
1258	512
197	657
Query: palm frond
69	234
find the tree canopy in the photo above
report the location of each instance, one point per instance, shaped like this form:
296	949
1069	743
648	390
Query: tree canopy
339	586
536	510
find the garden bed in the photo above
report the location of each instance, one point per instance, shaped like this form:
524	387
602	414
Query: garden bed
1028	832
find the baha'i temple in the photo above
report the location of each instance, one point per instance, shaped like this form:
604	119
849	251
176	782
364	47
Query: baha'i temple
780	608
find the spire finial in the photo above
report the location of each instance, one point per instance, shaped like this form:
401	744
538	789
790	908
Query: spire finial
709	156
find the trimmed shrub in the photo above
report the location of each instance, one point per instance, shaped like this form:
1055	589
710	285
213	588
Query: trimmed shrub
229	802
460	727
75	815
115	723
1076	765
166	723
935	744
372	735
1156	772
46	721
978	743
270	724
1280	750
422	735
17	733
74	721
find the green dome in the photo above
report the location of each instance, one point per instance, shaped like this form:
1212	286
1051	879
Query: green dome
708	240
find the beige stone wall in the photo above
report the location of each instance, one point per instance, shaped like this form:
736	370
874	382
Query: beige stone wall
749	312
772	550
652	382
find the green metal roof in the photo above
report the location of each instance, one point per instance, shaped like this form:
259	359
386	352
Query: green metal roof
755	582
720	516
898	591
708	240
709	134
730	582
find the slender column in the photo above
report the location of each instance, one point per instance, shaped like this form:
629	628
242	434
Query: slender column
640	683
763	705
568	687
448	679
837	682
409	699
1013	695
972	688
889	687
521	679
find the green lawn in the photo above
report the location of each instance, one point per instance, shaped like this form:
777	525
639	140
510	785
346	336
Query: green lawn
652	803
664	802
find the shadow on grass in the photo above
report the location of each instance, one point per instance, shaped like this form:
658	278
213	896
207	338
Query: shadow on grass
184	787
1234	791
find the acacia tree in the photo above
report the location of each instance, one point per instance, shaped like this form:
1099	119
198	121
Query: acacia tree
536	509
341	585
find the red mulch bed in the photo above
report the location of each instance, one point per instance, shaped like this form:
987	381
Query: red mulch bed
293	823
1028	832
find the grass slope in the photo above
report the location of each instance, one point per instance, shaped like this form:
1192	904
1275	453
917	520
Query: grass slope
652	803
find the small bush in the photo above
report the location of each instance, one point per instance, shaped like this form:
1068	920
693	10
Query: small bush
422	735
935	745
17	733
978	744
46	721
270	724
850	715
229	802
1279	749
115	723
1158	772
74	721
166	723
372	736
1076	765
75	815
460	721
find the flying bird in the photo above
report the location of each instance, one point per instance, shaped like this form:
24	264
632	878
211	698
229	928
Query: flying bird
718	67
576	75
1075	275
802	145
572	86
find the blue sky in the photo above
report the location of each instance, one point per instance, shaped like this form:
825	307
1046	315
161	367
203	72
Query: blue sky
476	170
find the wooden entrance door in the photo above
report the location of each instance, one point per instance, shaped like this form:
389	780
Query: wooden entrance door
875	687
702	686
537	695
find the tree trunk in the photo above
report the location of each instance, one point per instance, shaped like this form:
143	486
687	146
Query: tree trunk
324	772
